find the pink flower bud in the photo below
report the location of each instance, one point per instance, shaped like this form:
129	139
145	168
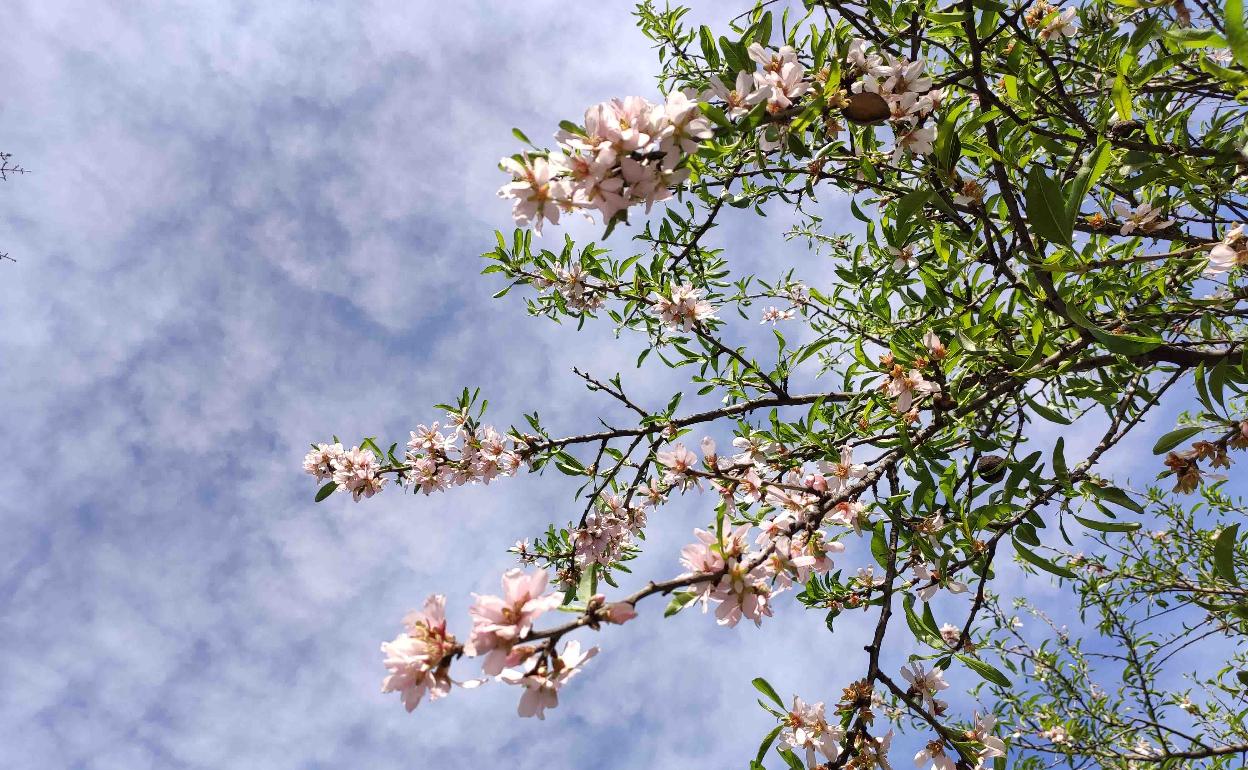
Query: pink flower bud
619	613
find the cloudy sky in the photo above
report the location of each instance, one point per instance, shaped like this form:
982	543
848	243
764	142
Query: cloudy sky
249	226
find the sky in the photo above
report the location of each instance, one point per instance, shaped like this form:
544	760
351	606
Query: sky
248	227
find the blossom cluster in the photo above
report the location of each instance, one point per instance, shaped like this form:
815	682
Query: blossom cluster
356	470
628	152
1184	464
682	307
905	87
419	659
437	458
442	457
779	81
805	727
745	576
571	283
610	527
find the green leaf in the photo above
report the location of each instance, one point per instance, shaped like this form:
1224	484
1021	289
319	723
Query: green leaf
1045	210
792	760
1120	94
1048	413
520	135
1191	37
1059	461
1091	170
765	688
918	625
879	545
588	584
1113	495
986	671
770	739
678	603
325	491
1174	438
1041	562
1107	526
1236	35
1224	552
1122	344
907	206
707	41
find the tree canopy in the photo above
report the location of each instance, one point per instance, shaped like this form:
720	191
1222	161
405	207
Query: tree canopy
1049	204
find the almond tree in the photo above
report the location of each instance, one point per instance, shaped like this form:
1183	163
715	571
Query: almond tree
1050	243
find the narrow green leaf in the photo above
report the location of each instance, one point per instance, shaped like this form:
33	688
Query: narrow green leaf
986	671
1122	344
1224	552
770	739
1041	562
707	41
1091	170
678	603
907	206
325	491
1045	210
1113	495
1108	526
1174	438
791	759
1236	35
1192	37
879	545
1048	413
1059	461
765	688
1120	94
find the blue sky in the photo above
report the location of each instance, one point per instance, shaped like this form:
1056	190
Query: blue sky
249	226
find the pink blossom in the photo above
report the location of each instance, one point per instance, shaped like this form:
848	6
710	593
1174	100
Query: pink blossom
1063	25
703	556
742	96
1223	257
925	684
850	513
357	471
1143	217
533	190
741	593
419	660
774	314
806	727
499	623
688	128
918	141
981	732
769	60
905	386
322	461
541	681
844	471
750	486
678	460
858	55
934	751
